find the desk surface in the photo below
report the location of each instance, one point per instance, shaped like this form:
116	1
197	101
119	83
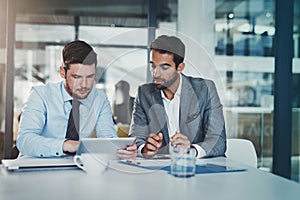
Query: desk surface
117	183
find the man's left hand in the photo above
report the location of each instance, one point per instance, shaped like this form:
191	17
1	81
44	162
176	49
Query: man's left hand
180	141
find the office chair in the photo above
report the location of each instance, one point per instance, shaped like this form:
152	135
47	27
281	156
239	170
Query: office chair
241	150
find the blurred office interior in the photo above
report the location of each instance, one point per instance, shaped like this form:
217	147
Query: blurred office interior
228	41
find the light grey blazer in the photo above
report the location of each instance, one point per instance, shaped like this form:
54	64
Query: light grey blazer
201	116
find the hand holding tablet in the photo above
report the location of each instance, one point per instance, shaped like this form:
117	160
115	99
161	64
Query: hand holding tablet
94	150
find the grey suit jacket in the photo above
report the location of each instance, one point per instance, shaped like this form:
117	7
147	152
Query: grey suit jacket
201	116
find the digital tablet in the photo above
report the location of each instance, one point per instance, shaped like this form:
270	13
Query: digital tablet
104	145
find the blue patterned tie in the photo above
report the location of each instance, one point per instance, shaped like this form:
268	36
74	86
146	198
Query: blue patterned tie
73	122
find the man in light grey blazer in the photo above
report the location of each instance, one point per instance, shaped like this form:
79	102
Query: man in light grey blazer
175	109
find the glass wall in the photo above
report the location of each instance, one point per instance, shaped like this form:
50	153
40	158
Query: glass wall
245	33
244	51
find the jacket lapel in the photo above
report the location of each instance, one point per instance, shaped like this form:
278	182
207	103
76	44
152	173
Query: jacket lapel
188	105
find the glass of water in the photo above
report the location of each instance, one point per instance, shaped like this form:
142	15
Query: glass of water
183	162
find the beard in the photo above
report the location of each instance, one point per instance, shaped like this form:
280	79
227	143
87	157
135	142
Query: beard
73	92
166	84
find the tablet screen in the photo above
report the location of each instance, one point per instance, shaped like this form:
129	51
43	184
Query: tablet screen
103	145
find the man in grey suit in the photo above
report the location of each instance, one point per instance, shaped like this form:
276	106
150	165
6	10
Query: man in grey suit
175	109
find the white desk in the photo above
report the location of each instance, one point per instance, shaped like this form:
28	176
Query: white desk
75	184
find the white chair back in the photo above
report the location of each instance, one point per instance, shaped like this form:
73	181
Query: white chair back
241	150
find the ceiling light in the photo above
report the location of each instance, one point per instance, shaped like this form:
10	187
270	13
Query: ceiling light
230	15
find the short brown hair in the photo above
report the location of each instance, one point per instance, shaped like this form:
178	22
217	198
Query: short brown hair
78	52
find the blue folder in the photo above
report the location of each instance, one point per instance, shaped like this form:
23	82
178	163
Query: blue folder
200	169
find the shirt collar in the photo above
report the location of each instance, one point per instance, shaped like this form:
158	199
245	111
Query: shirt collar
67	97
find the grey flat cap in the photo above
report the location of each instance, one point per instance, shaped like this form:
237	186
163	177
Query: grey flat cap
171	44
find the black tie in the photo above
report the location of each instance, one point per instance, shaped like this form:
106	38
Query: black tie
73	123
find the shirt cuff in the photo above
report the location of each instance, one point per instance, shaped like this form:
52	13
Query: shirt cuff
58	148
200	151
140	150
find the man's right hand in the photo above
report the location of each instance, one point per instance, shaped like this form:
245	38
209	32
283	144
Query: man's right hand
152	145
70	146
